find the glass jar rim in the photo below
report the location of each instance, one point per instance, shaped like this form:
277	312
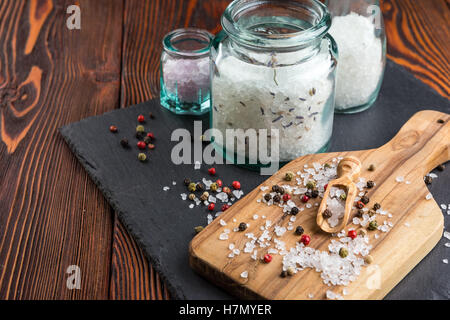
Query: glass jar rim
251	38
197	34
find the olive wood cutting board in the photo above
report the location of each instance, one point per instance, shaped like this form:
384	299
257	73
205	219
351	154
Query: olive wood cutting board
421	144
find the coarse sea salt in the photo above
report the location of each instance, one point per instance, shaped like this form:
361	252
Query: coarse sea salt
244	274
428	196
445	261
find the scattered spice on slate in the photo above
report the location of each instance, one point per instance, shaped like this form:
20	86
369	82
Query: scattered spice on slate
124	143
141	145
315	193
373	225
267	258
352	234
326	214
242	226
360	205
294	211
192	196
226	190
213	187
141	118
200	186
142	157
305	239
286	197
376	206
370	184
212	171
371	167
428	179
288	176
290	271
441	121
267	197
187	181
198	229
440	167
211	206
276	198
236	185
204	196
192	187
343	252
140	128
113	129
299	230
283	274
368	259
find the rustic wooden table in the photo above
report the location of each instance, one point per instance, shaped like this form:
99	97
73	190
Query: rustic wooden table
51	214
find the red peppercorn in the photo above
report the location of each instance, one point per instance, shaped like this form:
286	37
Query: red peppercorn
360	205
211	206
325	187
267	258
141	118
113	129
151	135
305	239
352	234
236	185
141	145
212	171
219	183
151	146
286	197
305	198
225	207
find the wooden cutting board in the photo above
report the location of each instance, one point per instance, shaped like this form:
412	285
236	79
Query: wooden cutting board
422	144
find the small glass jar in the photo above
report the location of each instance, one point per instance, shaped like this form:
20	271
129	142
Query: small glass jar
358	29
185	71
274	68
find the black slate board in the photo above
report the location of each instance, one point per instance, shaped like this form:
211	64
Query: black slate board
163	224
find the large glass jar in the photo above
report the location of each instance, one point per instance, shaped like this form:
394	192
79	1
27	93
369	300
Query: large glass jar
360	36
274	68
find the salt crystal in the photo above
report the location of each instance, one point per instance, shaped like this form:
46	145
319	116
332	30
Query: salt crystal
408	182
166	188
407	224
433	175
400	179
428	196
222	222
244	274
255	216
445	261
191	206
183	196
310	295
444	207
231	246
264	188
447	244
447	235
223	236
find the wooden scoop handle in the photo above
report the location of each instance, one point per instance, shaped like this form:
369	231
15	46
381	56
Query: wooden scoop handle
348	171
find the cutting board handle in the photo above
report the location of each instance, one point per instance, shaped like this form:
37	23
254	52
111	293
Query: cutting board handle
429	132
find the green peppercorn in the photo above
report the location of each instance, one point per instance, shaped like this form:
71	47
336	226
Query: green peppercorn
362	232
204	196
192	187
267	197
213	187
372	212
311	184
315	193
289	176
299	231
368	259
187	182
276	198
198	229
200	186
140	128
142	157
373	225
327	165
343	252
428	179
376	206
370	184
371	167
192	196
242	226
294	211
124	143
343	197
326	214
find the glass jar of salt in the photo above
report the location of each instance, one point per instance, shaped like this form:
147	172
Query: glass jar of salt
185	71
358	29
274	73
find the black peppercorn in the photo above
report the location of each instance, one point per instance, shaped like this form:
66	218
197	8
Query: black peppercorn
242	226
428	179
140	135
376	206
326	214
440	121
294	211
359	213
275	188
440	167
365	199
308	194
276	198
124	143
283	274
187	182
267	197
299	231
200	187
370	184
315	193
280	190
151	115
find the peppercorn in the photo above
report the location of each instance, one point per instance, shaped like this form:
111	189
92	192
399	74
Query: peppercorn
242	226
372	212
226	190
294	211
267	258
198	229
219	183
276	198
192	187
343	197
441	121
327	165
299	231
275	188
428	180
308	194
362	232
141	145
315	193
311	184
290	271
376	206
352	234
304	198
212	171
147	140
141	118
140	128
151	135
368	259
326	214
225	207
200	186
124	143
151	146
305	239
113	129
151	115
370	184
187	182
142	157
204	196
360	205
289	176
192	196
281	191
343	252
213	187
373	225
440	167
236	185
211	206
286	197
267	197
371	167
359	213
283	274
140	135
365	199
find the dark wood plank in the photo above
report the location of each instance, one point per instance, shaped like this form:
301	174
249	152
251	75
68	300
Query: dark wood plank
418	34
51	213
145	24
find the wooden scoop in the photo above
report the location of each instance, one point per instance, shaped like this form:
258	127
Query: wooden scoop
348	171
